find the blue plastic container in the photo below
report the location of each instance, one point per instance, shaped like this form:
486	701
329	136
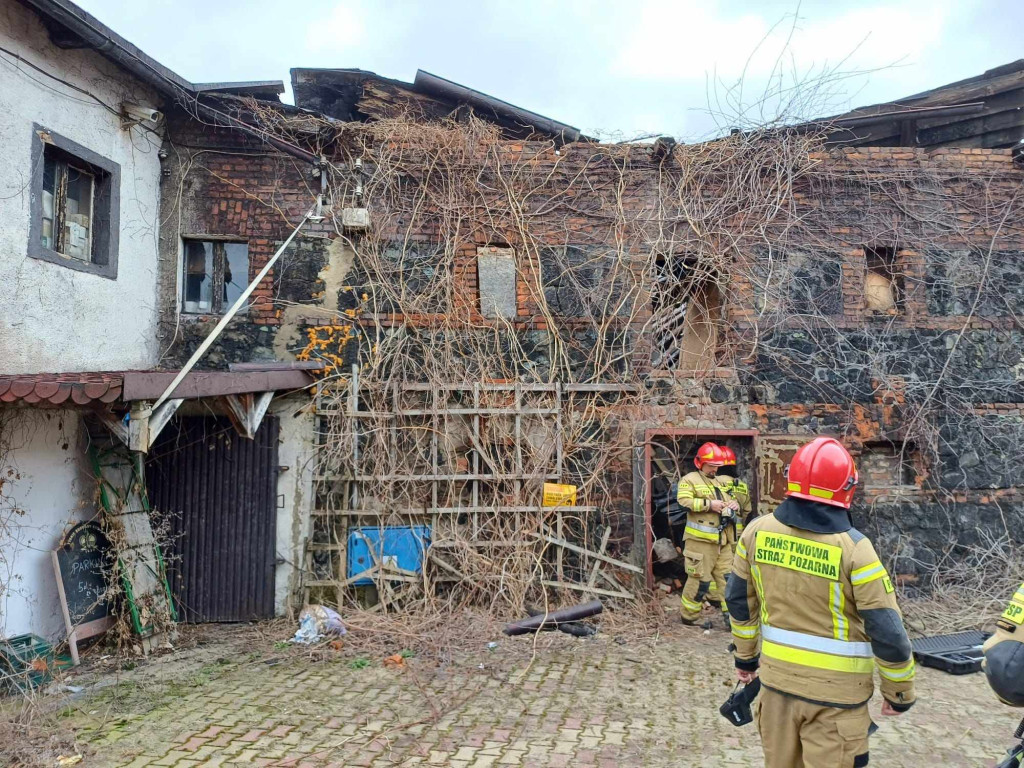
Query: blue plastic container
400	545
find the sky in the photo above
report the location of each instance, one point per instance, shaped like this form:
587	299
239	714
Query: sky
619	70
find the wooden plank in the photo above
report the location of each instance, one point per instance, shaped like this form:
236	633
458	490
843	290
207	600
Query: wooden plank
434	432
424	512
149	385
560	552
116	426
482	411
474	517
597	566
434	558
160	418
580	550
474	477
585	588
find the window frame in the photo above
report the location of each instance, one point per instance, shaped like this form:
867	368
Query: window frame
218	306
887	261
104	228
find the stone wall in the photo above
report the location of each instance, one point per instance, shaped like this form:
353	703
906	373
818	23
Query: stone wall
936	380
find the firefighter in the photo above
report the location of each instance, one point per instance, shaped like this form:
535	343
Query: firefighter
1004	653
736	488
709	535
810	586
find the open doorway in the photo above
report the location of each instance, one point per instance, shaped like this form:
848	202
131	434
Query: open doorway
670	455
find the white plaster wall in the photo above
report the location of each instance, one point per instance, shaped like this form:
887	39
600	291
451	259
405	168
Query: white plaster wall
53	318
296	451
45	450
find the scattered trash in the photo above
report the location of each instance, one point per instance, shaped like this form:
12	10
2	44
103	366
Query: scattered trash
73	688
664	550
491	646
69	760
316	622
396	660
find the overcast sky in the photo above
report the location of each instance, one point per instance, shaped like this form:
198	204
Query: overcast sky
621	68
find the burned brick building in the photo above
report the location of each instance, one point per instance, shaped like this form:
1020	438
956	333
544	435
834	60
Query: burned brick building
498	302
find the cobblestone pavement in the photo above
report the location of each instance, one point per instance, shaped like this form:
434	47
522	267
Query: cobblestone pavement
590	703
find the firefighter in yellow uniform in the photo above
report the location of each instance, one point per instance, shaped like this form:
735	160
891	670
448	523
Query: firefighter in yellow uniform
1004	653
709	535
811	588
736	488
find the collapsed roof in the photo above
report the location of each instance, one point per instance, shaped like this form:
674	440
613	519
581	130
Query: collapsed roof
358	95
982	112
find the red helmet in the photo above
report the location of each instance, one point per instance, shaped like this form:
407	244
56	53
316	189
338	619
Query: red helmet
709	453
822	470
730	456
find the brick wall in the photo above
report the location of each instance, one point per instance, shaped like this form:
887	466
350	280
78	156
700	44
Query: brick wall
785	374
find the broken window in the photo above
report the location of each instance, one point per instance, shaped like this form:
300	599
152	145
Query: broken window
887	465
686	311
216	272
883	281
68	190
73	207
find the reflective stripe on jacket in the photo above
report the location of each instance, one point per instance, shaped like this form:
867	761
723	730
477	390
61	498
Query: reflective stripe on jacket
695	494
1004	653
825	612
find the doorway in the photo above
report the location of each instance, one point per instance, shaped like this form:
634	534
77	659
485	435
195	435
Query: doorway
669	455
215	495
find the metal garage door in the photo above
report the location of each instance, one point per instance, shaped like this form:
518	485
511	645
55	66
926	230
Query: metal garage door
215	494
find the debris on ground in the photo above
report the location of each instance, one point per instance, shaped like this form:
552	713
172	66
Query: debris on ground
395	660
317	622
545	620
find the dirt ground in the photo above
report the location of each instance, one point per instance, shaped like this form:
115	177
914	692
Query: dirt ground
238	695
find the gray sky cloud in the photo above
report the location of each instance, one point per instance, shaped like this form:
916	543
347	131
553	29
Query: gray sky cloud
647	66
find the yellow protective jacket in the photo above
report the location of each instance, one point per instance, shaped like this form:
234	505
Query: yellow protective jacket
1004	653
811	603
739	491
695	493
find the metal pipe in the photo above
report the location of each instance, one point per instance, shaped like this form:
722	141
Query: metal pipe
227	316
554	618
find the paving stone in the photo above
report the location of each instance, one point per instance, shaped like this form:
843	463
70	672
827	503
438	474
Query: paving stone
579	704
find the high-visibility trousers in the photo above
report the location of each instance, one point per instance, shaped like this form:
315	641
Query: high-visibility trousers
706	562
798	734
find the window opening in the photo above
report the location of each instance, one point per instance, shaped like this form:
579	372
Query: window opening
887	465
67	211
687	310
883	281
215	275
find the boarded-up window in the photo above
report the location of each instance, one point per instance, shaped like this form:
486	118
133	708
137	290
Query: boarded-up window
496	275
886	465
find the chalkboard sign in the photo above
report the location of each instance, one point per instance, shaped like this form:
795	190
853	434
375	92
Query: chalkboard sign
82	565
